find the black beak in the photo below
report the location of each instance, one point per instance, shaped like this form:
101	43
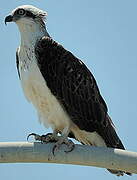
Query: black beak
8	19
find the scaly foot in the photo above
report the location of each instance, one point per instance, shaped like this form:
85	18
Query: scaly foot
59	140
44	138
63	140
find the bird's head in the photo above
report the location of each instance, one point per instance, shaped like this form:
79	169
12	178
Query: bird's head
26	14
28	18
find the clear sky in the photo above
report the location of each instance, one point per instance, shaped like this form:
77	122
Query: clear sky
103	34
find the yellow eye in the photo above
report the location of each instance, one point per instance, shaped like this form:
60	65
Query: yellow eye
21	12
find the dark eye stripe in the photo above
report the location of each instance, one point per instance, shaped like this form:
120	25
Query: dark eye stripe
29	14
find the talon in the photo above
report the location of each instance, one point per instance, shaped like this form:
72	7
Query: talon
36	136
61	141
53	150
44	138
72	146
51	138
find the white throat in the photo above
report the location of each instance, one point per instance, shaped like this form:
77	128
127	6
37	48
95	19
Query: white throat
30	32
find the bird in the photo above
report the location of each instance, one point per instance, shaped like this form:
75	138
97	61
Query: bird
62	89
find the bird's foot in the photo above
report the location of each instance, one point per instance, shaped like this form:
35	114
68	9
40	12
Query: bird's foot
58	140
44	138
63	140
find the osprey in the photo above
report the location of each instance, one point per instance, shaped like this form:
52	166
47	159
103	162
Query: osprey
60	86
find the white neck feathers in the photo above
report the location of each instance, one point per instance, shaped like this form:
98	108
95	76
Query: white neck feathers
31	32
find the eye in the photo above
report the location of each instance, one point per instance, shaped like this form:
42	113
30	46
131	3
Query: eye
21	12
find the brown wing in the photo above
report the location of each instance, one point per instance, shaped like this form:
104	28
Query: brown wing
76	89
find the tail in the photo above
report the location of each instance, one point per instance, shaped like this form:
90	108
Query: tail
104	136
112	140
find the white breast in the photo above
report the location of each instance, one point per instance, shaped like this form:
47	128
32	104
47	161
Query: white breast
49	110
36	90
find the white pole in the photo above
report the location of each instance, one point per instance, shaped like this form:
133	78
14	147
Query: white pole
24	152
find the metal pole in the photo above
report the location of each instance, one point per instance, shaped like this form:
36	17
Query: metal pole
24	152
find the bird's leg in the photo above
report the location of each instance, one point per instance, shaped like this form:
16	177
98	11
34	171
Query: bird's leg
50	137
53	137
63	139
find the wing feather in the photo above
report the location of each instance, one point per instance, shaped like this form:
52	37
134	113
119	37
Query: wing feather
17	62
76	89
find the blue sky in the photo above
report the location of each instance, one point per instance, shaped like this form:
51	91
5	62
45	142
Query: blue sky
103	34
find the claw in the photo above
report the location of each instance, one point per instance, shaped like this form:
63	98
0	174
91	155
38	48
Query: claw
71	147
44	138
36	136
59	140
67	142
53	149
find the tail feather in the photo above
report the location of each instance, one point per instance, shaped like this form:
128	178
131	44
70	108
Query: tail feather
104	136
110	136
112	140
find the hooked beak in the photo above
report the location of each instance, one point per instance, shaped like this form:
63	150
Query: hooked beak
8	19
